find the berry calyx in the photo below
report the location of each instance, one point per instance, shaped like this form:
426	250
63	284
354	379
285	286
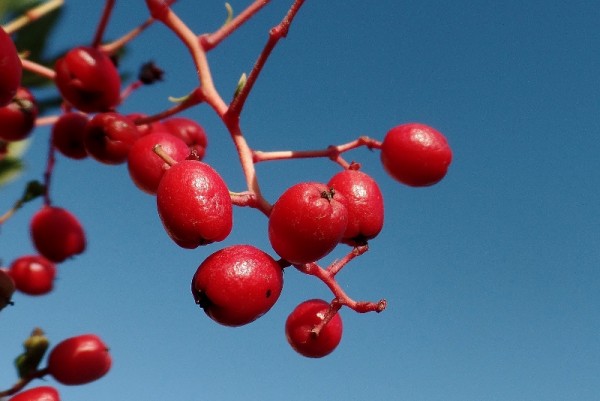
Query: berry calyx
43	393
301	325
108	137
364	202
33	274
88	79
67	135
17	118
416	154
237	285
11	70
79	360
307	222
57	234
194	204
190	132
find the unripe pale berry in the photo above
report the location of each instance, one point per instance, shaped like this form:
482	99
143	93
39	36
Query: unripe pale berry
57	234
237	285
79	360
416	154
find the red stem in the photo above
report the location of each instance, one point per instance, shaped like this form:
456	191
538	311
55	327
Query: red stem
38	374
108	7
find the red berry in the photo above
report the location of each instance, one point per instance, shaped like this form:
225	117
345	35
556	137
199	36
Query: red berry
43	393
108	137
10	69
33	274
57	233
88	79
67	135
307	222
300	325
194	204
145	167
415	154
237	285
17	119
364	202
79	360
190	131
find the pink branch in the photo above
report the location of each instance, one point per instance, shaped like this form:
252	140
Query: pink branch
108	7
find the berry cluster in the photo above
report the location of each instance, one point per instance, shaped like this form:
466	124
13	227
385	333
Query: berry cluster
164	155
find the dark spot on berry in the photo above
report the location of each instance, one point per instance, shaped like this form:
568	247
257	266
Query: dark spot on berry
268	293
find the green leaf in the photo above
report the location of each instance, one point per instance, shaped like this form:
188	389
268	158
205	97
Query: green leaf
10	168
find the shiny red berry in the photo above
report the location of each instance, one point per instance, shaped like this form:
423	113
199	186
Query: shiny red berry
190	132
57	234
10	69
300	329
416	154
79	360
88	79
43	393
67	135
33	274
108	137
237	285
145	167
364	202
194	204
307	222
17	118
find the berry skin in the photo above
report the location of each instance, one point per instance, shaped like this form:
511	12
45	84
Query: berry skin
194	204
108	137
43	393
307	222
17	119
237	285
79	360
33	274
301	322
11	70
416	154
364	202
57	234
67	135
190	132
145	167
88	79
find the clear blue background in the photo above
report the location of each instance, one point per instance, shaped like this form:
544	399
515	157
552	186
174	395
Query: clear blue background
491	277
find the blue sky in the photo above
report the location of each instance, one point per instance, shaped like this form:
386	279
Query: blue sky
491	277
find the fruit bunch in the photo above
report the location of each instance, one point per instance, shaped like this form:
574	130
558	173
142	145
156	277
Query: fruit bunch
164	155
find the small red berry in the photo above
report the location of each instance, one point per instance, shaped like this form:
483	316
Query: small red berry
10	68
43	393
364	202
194	204
300	325
145	167
79	360
17	119
307	222
108	137
416	154
88	79
67	135
237	285
33	274
57	234
191	132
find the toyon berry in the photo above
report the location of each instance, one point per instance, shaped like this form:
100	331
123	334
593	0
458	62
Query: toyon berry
237	285
301	324
109	136
364	202
33	274
17	118
11	70
190	132
67	135
79	360
57	234
416	154
194	204
88	79
43	393
307	222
